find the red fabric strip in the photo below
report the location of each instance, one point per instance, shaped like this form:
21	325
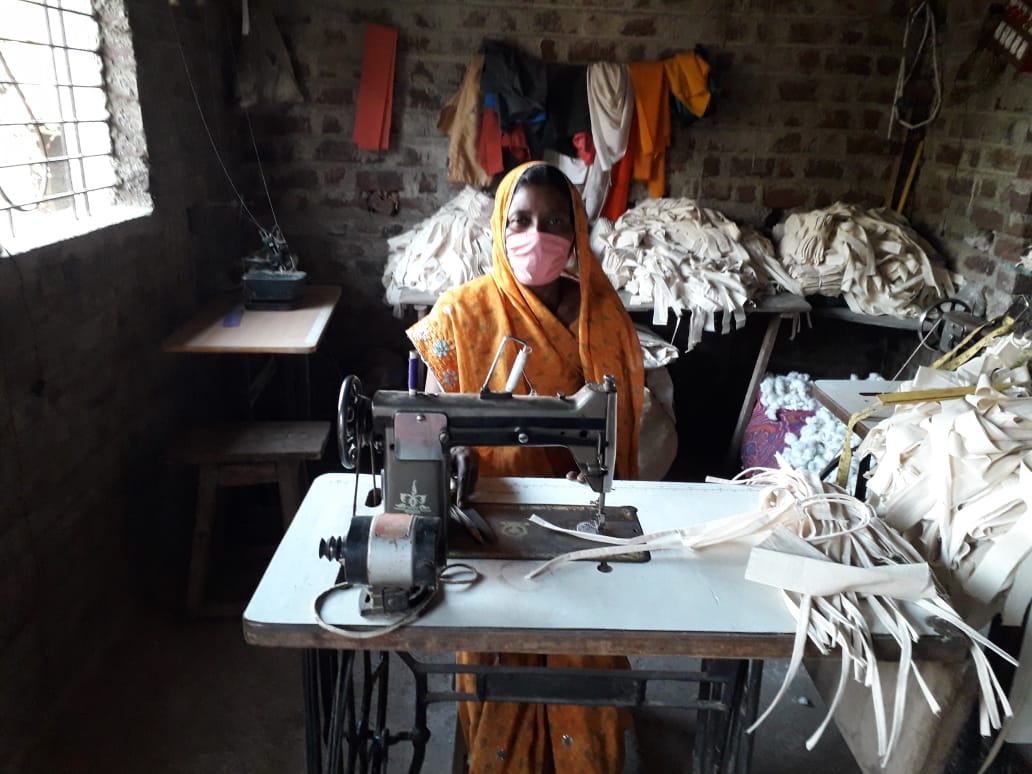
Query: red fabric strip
376	91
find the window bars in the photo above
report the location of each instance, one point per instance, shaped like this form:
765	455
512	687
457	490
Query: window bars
57	160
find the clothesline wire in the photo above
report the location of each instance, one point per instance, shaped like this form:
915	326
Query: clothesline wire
262	231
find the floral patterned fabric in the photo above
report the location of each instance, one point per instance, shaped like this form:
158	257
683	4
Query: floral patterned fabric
765	437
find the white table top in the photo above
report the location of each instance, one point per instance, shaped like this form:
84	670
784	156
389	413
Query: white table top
225	326
674	604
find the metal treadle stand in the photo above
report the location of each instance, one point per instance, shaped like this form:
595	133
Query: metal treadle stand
346	695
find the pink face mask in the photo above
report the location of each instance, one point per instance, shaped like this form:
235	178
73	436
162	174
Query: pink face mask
537	258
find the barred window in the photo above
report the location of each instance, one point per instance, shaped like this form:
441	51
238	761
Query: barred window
72	149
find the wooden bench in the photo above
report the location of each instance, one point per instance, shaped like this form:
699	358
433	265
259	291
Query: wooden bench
243	454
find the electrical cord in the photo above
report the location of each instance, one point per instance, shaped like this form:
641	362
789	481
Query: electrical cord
457	573
928	32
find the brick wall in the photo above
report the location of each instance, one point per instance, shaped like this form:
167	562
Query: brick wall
800	119
89	400
973	196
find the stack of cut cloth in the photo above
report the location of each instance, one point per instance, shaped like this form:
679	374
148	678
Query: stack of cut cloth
955	475
872	258
443	251
681	256
841	571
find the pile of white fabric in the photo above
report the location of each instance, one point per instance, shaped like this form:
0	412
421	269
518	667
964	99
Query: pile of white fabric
443	251
872	258
840	570
683	257
821	437
955	475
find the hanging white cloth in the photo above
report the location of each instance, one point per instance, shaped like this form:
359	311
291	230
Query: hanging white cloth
610	107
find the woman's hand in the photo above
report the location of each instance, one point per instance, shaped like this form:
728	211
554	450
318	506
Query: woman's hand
576	475
465	468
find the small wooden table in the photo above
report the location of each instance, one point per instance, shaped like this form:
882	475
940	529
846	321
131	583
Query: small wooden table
224	326
254	452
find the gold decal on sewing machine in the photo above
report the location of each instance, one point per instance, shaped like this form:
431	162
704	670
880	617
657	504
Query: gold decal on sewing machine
413	503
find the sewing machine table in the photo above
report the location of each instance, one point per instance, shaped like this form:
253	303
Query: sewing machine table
673	605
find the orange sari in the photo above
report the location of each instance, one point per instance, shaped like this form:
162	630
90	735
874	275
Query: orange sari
458	340
459	337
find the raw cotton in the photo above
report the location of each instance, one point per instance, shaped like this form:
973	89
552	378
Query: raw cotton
686	258
840	568
819	440
872	258
955	475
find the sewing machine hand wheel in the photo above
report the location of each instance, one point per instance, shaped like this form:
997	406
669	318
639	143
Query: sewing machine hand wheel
930	323
353	421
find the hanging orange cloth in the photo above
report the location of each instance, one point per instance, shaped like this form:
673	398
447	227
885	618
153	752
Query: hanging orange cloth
458	340
494	142
460	120
459	337
652	108
688	76
489	146
620	184
376	90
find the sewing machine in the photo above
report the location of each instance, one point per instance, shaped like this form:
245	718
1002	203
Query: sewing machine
398	554
271	278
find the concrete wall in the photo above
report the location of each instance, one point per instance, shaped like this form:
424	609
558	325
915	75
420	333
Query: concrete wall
89	400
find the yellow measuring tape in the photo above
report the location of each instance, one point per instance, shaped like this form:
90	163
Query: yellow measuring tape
892	399
957	357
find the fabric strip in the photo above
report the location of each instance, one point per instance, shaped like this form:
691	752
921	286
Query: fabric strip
376	90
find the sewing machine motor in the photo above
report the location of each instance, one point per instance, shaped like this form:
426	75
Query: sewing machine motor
395	556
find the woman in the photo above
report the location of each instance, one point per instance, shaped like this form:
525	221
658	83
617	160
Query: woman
578	331
577	328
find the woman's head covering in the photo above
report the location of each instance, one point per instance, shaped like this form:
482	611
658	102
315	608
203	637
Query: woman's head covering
607	341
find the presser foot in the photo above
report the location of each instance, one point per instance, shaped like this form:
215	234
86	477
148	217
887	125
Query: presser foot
597	525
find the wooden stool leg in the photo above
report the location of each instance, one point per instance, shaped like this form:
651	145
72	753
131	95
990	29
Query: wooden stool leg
289	492
209	477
